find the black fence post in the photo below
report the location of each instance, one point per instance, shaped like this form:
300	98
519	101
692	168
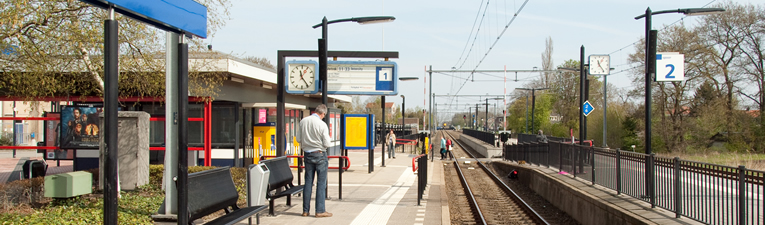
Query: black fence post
741	195
652	191
618	172
574	158
678	189
592	164
560	157
547	153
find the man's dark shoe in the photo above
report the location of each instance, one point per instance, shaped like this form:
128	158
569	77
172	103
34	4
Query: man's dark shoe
305	214
324	214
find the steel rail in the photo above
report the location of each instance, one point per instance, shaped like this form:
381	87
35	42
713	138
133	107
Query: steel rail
477	214
517	199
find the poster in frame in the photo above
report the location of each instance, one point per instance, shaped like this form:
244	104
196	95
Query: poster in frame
79	127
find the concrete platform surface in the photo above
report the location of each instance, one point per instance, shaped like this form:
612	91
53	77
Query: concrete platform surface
388	195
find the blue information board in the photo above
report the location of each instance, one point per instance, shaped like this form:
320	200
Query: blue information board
362	78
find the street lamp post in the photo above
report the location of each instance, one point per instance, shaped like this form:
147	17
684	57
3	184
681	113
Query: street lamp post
323	48
403	112
403	101
533	102
650	67
650	57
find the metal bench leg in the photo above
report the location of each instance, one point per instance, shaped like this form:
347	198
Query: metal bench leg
289	200
271	207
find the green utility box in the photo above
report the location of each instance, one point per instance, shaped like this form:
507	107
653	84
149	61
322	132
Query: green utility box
67	185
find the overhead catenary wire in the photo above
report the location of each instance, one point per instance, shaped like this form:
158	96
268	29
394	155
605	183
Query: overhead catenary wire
515	15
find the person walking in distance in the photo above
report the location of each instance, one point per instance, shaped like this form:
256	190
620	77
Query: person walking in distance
449	148
443	148
314	140
391	139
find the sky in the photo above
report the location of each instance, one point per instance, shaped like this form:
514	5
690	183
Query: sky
441	33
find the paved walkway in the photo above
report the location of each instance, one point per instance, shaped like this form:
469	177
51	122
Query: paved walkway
11	168
388	195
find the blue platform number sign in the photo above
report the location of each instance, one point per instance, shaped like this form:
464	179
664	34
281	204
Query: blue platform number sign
587	108
670	66
386	74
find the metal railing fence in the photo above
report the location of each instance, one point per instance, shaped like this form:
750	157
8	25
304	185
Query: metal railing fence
488	137
708	193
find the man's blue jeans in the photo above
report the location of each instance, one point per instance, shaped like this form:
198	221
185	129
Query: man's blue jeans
315	163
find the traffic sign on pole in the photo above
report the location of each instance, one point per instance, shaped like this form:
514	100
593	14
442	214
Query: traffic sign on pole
587	108
670	66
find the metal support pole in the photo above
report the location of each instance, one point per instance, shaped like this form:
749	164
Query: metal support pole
15	142
605	111
741	195
111	93
382	129
527	115
648	78
236	135
323	48
171	123
183	132
581	95
650	170
340	163
371	158
430	103
533	107
486	117
403	113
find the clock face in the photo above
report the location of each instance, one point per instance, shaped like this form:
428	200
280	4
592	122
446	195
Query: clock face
302	76
600	65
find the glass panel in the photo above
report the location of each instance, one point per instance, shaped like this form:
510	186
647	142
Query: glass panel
223	124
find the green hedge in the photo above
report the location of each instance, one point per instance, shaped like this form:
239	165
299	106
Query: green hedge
135	207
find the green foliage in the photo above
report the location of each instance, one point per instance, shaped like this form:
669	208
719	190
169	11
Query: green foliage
5	141
135	207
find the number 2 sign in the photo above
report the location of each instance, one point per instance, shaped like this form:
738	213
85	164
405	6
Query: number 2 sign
670	66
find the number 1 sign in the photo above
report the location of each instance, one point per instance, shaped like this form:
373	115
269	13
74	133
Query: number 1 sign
670	66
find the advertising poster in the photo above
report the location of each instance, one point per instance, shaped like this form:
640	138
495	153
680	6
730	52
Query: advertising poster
262	116
52	138
79	127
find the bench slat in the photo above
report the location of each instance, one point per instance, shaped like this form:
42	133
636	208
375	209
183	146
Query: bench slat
210	191
236	216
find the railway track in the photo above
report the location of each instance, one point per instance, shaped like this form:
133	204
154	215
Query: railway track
490	201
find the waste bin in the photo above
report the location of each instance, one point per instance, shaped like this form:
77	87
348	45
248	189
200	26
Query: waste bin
257	184
38	168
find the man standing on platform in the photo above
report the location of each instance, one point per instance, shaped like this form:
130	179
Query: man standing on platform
314	140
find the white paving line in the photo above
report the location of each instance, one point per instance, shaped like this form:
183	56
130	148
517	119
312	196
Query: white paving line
361	185
381	209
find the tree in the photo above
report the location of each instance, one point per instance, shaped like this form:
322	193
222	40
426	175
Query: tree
725	33
565	90
55	48
261	61
547	62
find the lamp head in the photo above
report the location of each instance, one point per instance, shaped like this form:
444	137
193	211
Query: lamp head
373	19
702	11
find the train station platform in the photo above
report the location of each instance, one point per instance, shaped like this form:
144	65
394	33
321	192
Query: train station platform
388	195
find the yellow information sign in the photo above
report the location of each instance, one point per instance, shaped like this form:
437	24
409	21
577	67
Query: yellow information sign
356	132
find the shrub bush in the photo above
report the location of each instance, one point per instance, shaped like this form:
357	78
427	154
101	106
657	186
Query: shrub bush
135	207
